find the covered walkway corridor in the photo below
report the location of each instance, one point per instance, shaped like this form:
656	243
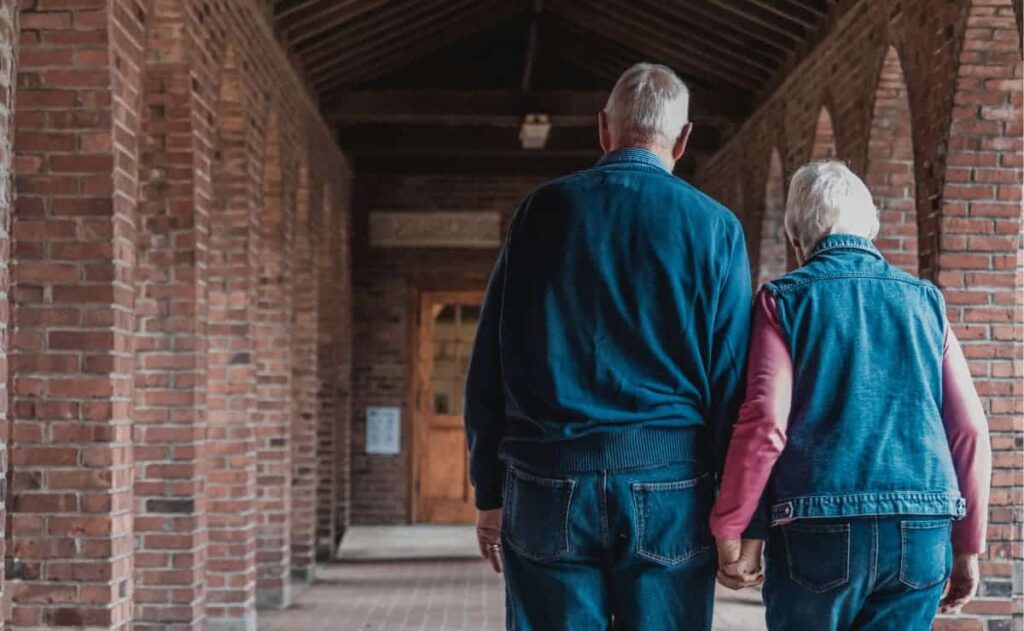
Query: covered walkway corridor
243	244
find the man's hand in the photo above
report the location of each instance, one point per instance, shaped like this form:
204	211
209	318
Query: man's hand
488	535
962	585
739	562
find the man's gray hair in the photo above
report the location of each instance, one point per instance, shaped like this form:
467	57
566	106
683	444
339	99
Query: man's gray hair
826	197
648	106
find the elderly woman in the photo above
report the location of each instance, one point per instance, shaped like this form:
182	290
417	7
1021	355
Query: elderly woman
861	438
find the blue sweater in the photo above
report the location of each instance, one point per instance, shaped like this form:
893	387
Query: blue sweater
614	329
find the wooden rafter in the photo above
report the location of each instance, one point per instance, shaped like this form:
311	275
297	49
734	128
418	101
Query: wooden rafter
626	30
376	43
719	47
399	51
327	20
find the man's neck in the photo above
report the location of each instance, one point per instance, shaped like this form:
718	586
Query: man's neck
663	155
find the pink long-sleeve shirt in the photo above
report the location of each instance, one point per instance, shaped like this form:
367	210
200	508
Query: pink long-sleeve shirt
760	432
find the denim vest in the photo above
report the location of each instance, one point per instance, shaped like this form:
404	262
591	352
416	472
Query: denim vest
865	430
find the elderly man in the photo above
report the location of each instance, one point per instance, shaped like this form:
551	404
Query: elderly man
605	375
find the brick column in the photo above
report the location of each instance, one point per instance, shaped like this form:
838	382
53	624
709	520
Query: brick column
72	298
231	385
341	207
979	272
890	168
170	377
273	417
327	462
305	293
8	38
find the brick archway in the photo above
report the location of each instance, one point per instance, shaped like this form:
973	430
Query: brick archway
774	244
979	269
824	145
890	167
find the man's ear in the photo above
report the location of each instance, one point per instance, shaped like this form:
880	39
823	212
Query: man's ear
603	134
679	148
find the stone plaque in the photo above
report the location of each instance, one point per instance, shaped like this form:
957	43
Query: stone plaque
435	229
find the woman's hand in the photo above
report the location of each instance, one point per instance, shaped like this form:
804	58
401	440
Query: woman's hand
962	584
488	535
739	562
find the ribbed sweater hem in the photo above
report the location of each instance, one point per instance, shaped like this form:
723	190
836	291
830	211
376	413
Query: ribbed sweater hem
645	447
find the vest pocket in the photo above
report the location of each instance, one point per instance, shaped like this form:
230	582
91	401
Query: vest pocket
672	519
535	522
926	553
818	555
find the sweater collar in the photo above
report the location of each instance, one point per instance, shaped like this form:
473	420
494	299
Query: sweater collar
635	155
845	242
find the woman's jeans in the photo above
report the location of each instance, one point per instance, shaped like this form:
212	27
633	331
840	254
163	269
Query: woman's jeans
862	573
633	544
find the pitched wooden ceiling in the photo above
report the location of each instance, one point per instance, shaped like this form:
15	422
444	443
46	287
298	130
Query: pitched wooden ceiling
442	85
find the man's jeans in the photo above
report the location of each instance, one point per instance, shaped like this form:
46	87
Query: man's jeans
633	544
863	573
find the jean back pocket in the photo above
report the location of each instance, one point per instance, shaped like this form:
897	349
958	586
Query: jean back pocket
535	521
672	519
818	555
926	555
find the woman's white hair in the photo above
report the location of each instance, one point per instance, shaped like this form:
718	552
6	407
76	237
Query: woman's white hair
826	197
649	105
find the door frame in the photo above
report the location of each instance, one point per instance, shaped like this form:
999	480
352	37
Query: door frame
419	302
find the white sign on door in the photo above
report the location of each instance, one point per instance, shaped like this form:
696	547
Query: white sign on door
383	431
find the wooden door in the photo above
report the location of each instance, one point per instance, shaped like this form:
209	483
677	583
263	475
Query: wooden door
447	326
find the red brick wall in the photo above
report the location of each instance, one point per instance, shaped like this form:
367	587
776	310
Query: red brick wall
950	140
137	260
385	285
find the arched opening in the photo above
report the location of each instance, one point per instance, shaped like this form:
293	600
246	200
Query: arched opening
824	137
772	253
890	170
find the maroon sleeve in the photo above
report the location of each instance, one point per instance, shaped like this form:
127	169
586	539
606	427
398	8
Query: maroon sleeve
760	431
967	433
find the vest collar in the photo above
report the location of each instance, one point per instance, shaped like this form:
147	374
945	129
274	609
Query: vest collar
845	242
635	155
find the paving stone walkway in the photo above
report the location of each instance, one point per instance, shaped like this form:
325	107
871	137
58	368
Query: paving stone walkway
426	578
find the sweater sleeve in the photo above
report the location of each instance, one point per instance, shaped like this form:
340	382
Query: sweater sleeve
730	337
485	399
967	434
760	433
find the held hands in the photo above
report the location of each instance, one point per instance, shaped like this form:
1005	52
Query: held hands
488	535
962	585
739	562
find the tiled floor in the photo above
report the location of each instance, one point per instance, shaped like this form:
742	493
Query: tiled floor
387	591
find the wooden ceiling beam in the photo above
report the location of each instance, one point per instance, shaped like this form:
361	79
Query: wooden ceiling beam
497	108
700	64
721	19
792	14
363	39
720	45
762	18
387	14
406	50
323	21
701	30
285	8
379	140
